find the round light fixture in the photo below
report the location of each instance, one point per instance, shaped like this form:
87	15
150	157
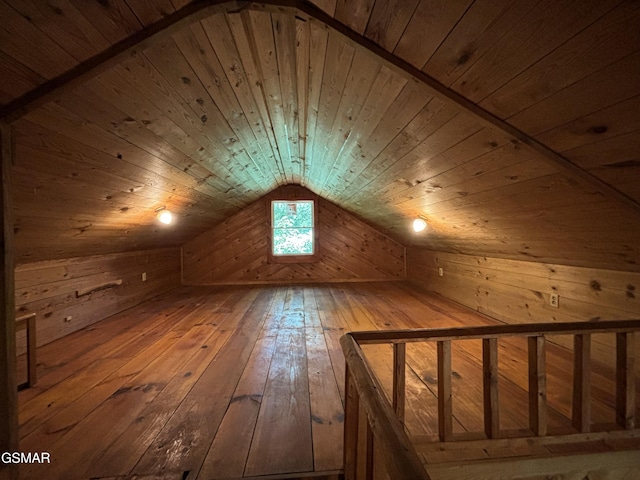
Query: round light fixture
419	224
165	216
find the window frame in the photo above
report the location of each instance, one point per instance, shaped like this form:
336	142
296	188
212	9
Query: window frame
304	258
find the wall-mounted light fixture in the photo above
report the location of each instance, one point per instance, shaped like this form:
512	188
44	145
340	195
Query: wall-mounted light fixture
419	224
164	216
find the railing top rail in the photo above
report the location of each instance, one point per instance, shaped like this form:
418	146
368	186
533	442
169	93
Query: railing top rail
495	331
24	317
402	461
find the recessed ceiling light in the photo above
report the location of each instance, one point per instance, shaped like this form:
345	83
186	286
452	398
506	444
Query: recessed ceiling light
419	224
165	216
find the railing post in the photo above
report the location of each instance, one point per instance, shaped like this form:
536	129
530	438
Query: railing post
490	387
399	362
351	414
537	386
445	407
625	379
581	411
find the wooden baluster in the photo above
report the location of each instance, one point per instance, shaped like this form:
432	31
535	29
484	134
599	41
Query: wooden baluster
490	387
445	410
399	359
351	416
31	351
369	461
581	412
537	386
625	379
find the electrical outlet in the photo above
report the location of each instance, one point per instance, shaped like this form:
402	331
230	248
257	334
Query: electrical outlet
554	300
440	272
68	318
144	276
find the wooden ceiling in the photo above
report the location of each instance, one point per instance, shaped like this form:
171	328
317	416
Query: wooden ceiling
513	127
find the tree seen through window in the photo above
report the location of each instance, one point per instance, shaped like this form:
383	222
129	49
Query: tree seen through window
292	223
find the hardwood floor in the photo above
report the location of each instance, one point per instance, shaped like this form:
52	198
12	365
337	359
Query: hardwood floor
236	382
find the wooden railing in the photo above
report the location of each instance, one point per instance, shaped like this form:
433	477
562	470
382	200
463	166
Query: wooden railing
385	420
28	322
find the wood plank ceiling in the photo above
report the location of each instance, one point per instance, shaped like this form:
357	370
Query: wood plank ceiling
212	116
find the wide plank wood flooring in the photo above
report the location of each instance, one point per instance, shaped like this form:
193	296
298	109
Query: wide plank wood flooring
240	382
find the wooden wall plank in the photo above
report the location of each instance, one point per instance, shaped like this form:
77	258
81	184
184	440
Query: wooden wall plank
518	292
429	134
285	35
236	251
115	22
49	288
363	72
477	32
262	51
328	6
384	92
149	11
233	46
561	21
246	100
24	78
339	57
197	49
430	23
354	14
409	103
47	58
388	22
590	94
303	74
611	38
65	25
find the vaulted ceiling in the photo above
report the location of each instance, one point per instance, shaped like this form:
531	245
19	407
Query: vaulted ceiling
513	127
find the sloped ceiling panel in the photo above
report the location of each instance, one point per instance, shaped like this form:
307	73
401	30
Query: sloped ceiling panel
223	111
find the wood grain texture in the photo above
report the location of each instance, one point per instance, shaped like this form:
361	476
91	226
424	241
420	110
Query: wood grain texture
180	382
518	292
218	111
236	250
50	288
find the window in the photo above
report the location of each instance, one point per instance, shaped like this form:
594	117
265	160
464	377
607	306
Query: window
292	224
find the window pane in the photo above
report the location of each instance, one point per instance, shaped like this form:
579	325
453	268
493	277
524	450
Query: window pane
293	214
293	241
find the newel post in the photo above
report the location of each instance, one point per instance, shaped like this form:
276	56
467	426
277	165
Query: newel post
8	381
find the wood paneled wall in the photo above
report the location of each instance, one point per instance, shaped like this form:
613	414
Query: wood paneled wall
519	292
70	294
235	252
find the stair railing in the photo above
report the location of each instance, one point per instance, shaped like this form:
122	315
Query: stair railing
365	396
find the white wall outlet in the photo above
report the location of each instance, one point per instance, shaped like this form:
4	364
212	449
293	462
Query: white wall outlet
440	271
554	300
144	276
68	318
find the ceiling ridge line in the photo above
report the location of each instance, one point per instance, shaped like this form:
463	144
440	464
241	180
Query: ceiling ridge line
485	117
202	8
